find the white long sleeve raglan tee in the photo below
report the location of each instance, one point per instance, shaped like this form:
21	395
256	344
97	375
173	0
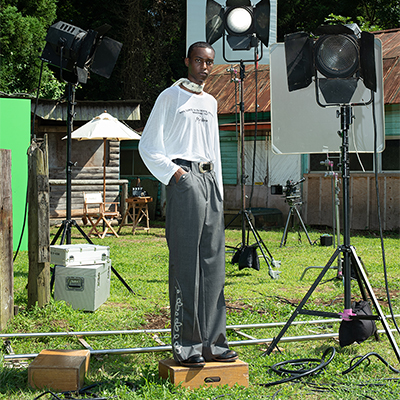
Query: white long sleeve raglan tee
181	125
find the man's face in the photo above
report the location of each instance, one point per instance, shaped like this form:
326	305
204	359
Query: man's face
200	64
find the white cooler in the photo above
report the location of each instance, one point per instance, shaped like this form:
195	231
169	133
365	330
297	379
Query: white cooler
70	255
84	288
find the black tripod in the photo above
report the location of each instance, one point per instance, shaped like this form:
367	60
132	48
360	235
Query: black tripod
349	257
65	228
293	201
68	223
245	213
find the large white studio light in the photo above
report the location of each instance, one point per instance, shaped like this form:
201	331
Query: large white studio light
312	74
337	60
243	24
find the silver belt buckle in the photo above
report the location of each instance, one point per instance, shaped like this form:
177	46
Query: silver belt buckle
206	167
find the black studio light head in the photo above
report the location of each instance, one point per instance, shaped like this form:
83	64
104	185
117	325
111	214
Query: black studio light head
76	51
244	24
337	59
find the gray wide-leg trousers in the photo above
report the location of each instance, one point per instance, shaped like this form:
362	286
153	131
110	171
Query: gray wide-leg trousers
196	240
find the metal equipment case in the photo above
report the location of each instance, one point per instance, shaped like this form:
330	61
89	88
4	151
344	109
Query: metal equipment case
84	288
70	255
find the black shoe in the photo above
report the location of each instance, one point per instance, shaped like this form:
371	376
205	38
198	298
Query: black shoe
194	362
226	356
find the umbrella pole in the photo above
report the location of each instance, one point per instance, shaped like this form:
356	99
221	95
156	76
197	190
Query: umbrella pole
104	169
104	179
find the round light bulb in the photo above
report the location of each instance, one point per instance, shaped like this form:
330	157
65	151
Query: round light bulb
239	20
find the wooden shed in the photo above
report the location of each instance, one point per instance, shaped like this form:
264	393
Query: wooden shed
86	156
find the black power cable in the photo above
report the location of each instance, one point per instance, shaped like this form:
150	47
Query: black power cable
33	137
302	367
366	357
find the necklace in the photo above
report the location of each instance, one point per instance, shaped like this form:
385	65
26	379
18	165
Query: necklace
193	87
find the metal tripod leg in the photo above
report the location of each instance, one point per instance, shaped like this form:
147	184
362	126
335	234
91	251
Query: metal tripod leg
303	226
285	232
273	274
362	279
299	308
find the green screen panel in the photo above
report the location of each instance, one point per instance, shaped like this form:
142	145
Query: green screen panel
15	118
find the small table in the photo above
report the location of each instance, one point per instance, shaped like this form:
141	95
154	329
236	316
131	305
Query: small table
140	210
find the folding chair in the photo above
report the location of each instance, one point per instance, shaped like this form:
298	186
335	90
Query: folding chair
95	209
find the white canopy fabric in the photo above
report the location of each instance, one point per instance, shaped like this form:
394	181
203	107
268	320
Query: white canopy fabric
104	127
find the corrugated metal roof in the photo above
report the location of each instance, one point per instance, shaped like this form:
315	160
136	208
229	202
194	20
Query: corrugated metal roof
223	88
391	64
125	110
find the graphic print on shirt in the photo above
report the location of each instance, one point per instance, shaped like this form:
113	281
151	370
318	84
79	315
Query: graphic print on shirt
200	115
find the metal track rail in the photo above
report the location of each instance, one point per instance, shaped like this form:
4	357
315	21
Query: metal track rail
137	350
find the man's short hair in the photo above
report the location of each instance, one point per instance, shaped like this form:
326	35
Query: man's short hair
199	44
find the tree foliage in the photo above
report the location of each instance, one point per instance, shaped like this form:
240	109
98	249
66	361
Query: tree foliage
306	15
153	38
24	26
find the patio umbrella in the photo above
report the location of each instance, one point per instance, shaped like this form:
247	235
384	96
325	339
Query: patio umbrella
104	127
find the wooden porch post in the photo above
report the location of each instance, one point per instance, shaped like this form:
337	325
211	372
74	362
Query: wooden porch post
39	226
6	241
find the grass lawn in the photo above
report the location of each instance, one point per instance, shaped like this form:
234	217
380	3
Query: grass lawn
252	297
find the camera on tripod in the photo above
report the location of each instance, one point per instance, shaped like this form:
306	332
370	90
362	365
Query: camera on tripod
291	190
293	198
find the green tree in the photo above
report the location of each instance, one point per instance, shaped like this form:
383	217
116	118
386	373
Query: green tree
153	37
24	26
306	15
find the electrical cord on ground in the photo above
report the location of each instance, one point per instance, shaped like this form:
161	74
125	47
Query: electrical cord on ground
68	395
56	397
48	392
320	388
366	357
301	370
379	214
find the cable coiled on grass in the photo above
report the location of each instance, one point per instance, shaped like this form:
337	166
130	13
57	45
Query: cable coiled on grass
301	367
366	356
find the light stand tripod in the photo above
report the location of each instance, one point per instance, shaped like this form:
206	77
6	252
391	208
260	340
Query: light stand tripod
293	200
245	213
65	228
350	257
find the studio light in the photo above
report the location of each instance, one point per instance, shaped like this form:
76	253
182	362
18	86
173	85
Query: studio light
337	60
76	51
244	24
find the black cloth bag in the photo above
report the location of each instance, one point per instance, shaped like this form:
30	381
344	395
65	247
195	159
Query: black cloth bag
357	330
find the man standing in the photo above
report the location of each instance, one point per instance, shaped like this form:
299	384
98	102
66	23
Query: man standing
180	147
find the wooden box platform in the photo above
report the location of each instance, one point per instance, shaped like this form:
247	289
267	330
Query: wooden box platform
212	374
62	370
